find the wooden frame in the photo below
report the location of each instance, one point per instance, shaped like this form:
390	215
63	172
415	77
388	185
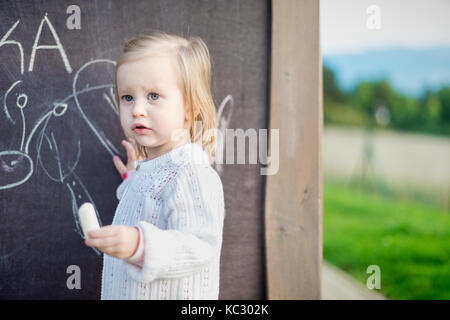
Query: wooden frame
293	208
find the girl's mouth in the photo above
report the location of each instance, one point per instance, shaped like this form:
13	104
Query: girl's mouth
141	130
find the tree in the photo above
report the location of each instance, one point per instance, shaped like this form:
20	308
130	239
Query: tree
331	89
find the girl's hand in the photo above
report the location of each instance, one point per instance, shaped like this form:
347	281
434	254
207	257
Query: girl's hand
131	148
117	241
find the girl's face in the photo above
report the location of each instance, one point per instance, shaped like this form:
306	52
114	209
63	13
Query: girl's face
150	96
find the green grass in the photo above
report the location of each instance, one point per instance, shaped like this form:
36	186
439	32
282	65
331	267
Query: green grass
408	240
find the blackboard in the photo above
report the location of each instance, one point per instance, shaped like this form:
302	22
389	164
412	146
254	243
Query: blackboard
59	129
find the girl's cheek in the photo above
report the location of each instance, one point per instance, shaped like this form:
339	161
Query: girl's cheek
123	122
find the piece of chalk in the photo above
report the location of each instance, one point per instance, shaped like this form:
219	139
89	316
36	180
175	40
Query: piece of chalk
88	218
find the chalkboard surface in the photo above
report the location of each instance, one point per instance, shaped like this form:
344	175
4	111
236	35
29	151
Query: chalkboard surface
59	129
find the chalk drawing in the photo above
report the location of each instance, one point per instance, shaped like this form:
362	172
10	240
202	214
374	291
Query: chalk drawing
17	166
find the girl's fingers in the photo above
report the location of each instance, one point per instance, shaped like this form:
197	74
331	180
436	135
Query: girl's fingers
104	232
104	237
131	154
132	141
113	251
135	146
119	165
101	243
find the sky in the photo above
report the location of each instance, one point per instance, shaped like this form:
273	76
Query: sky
413	24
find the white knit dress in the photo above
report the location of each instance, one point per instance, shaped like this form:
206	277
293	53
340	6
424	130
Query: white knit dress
177	201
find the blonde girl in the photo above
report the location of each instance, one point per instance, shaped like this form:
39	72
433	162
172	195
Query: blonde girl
166	235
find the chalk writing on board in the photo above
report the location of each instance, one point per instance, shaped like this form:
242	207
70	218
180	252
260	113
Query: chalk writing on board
17	165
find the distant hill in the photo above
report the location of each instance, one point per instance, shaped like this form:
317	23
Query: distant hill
409	71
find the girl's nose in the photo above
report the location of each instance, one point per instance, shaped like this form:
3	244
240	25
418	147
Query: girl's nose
139	109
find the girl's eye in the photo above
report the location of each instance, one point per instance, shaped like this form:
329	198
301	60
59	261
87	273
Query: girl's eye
127	98
153	96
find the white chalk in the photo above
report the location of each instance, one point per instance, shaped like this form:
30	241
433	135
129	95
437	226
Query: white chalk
88	218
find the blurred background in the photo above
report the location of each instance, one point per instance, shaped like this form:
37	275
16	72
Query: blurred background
386	144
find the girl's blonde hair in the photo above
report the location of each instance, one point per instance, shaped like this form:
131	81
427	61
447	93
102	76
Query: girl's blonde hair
195	81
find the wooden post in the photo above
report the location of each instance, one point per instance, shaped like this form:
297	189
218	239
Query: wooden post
293	208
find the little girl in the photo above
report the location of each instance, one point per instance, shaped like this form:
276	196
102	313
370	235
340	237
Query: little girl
166	235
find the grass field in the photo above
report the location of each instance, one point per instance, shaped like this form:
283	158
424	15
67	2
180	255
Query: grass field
408	240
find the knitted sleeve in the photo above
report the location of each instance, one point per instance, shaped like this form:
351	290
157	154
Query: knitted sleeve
195	213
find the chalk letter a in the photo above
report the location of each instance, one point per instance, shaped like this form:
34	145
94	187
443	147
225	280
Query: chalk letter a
57	46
